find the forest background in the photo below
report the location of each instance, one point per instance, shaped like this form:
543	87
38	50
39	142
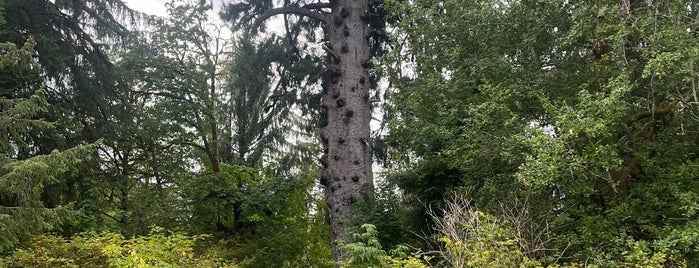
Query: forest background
517	133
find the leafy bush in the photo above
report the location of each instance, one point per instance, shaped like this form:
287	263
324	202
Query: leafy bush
366	251
108	249
472	238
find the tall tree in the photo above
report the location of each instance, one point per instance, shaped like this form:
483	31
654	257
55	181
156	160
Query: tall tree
225	107
347	161
74	44
25	207
178	81
72	40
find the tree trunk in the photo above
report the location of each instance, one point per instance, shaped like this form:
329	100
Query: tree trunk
347	159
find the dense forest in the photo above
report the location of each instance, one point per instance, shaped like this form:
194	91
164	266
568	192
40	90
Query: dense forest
367	133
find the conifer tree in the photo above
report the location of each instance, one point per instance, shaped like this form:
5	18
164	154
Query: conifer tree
25	207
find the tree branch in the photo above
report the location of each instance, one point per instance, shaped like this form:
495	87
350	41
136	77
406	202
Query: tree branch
165	94
315	6
112	217
301	11
657	111
195	145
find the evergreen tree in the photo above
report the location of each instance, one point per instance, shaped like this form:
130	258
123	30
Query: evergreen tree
26	208
74	42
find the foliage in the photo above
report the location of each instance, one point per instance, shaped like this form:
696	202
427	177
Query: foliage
108	249
70	73
288	243
472	238
384	210
365	251
284	223
25	209
585	109
73	40
177	74
26	206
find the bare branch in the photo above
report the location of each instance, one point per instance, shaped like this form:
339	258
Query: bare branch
330	51
111	217
301	11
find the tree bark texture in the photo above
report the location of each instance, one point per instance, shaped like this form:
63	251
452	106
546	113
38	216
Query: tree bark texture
347	160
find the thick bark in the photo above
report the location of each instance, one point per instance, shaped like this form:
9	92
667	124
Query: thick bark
347	161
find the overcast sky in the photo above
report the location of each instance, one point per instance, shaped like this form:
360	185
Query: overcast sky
157	7
151	7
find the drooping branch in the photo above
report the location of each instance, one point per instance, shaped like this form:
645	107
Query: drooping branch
164	94
316	6
301	11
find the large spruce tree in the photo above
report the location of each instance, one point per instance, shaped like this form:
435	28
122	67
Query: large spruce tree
347	161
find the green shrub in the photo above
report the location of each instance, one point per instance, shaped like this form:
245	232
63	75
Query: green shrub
108	249
365	251
473	238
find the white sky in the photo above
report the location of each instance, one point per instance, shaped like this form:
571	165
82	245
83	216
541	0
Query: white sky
150	7
157	7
